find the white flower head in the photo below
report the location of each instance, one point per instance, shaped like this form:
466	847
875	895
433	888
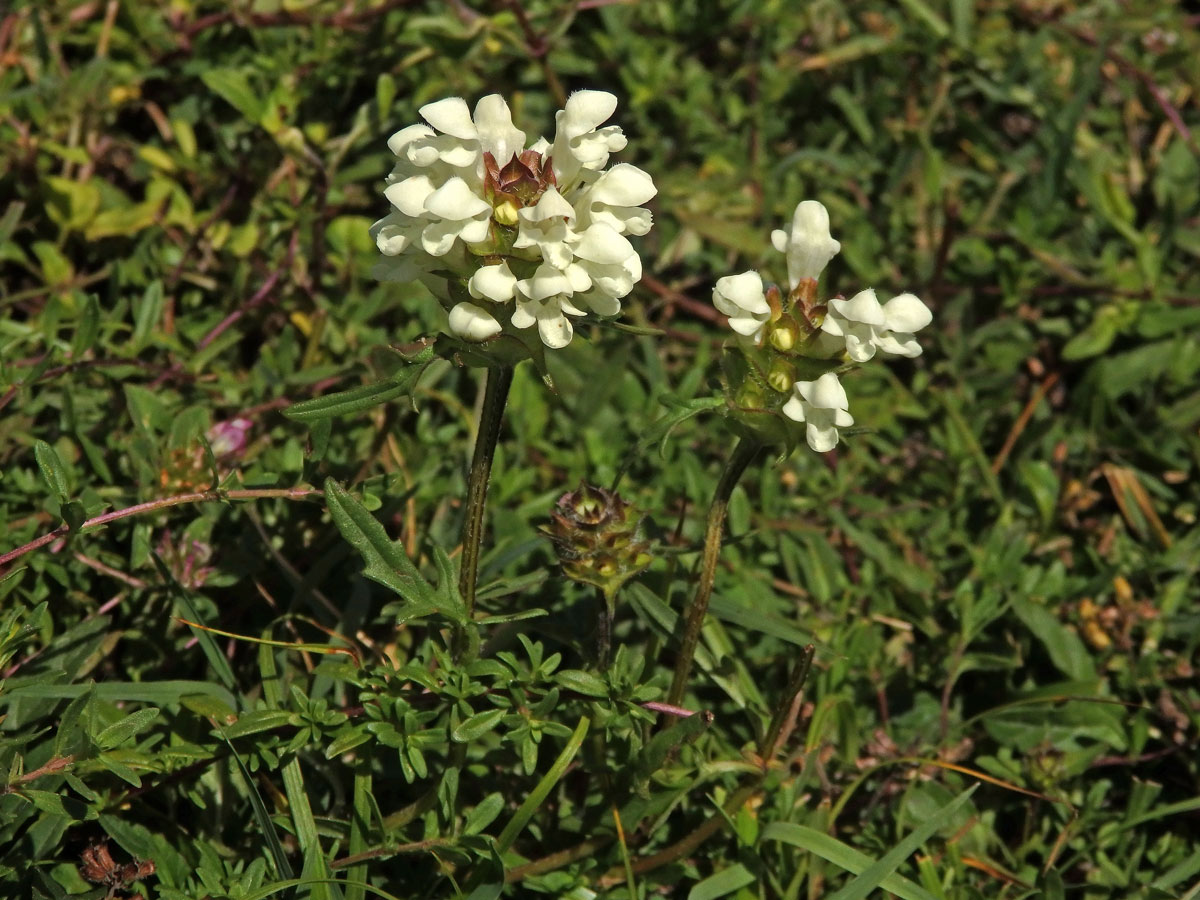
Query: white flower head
809	246
742	299
545	226
823	407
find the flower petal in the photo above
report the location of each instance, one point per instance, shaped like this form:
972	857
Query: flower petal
549	205
451	116
824	393
821	436
455	201
906	313
744	291
794	408
600	244
497	134
810	246
862	307
409	195
623	185
546	282
555	332
584	111
398	141
472	323
496	283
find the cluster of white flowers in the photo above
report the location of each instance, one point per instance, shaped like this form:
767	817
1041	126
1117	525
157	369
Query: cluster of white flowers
542	228
856	328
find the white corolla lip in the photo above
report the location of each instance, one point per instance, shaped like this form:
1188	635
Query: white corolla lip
906	313
809	247
601	244
405	136
472	323
496	283
456	202
546	282
862	307
451	116
550	205
623	185
495	129
741	298
409	195
824	393
585	111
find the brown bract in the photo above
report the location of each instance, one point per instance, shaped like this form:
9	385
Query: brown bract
521	181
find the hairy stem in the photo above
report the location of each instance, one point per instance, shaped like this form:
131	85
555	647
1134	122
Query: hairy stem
604	617
743	453
214	496
495	395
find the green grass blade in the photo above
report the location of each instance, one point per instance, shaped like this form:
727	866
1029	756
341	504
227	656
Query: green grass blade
522	816
873	876
842	855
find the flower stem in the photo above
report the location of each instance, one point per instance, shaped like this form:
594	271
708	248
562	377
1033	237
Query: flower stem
604	617
495	395
743	453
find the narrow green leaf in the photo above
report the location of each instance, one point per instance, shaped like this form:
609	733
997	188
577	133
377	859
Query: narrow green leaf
582	682
535	799
477	725
484	813
357	399
147	313
52	469
724	882
876	873
256	721
160	693
282	867
842	855
119	732
234	87
87	329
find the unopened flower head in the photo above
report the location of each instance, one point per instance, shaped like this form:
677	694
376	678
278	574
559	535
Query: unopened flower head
788	345
598	538
531	236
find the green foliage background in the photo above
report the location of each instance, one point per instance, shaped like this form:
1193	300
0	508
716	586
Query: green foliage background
999	573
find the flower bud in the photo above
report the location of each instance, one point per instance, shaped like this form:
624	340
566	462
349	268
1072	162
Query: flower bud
598	538
784	334
506	213
750	396
781	376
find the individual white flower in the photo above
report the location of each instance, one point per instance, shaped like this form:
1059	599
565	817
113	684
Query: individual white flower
809	247
471	202
579	142
823	407
862	325
457	213
471	323
543	301
741	298
854	321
